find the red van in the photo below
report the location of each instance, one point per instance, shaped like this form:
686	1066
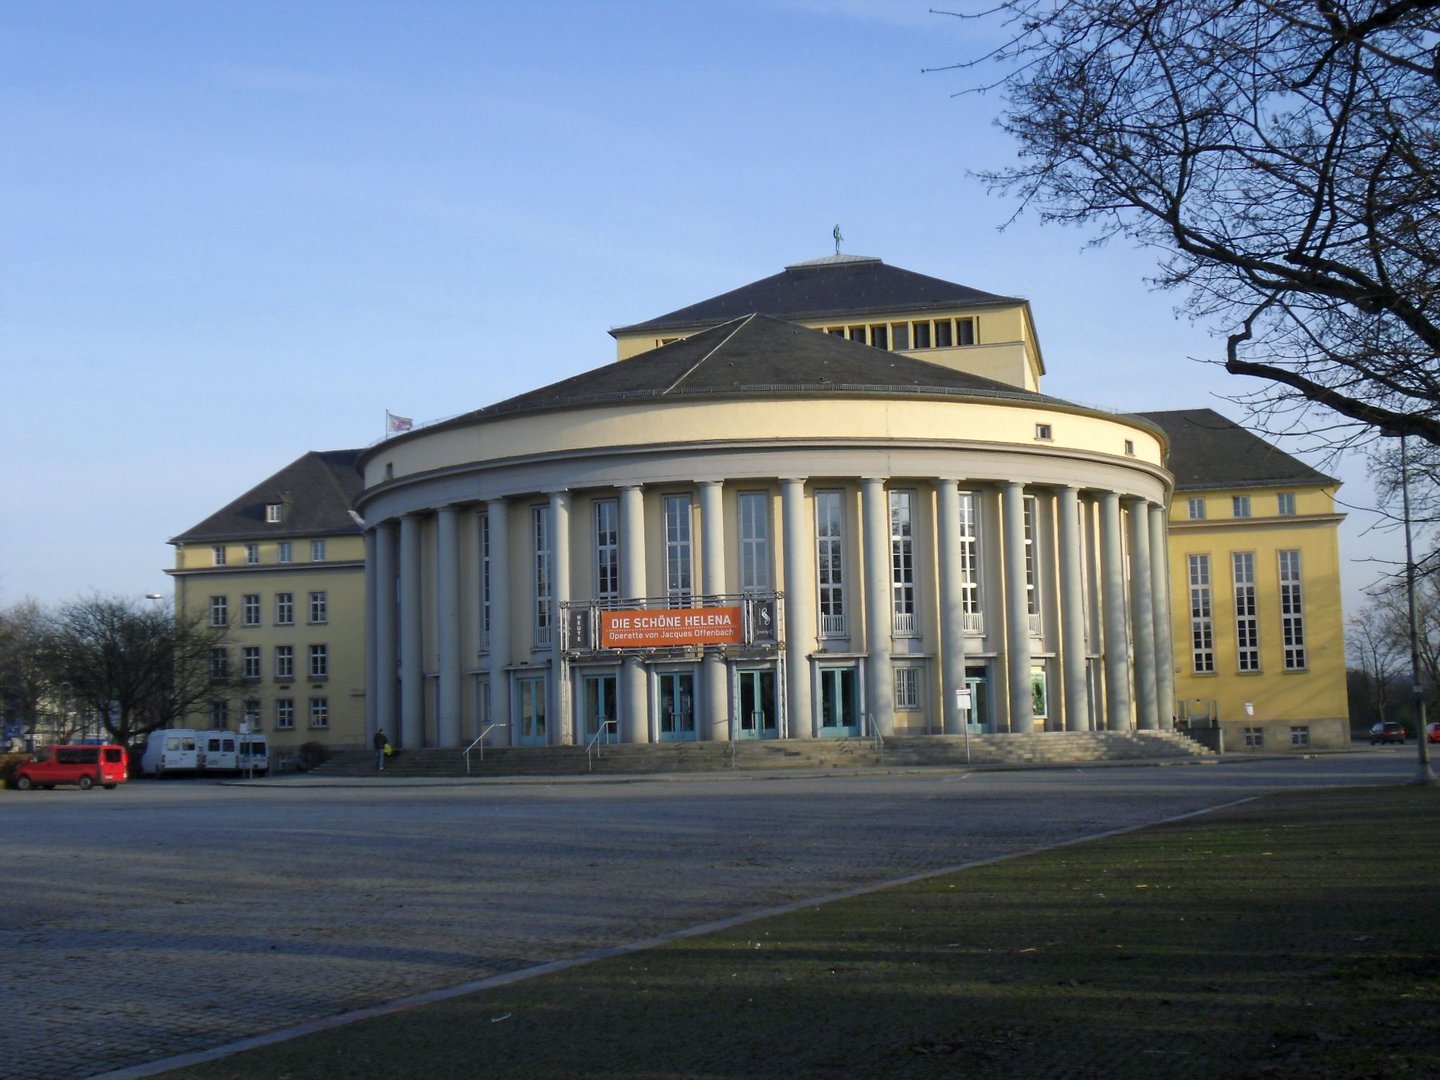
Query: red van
83	765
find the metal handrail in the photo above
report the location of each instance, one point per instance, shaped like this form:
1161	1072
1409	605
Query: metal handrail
594	743
480	742
879	737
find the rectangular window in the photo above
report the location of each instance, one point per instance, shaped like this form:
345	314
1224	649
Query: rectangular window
857	333
880	336
284	661
1196	508
830	561
319	607
542	573
607	549
1300	735
1254	738
284	609
250	662
1202	630
252	554
219	610
679	583
922	335
1039	696
1292	611
753	508
319	712
1240	506
1129	447
907	688
283	551
250	609
964	331
1032	592
970	563
284	714
900	336
482	527
251	713
219	664
1044	432
274	513
317	550
217	554
219	714
1247	627
902	563
319	661
1285	504
944	337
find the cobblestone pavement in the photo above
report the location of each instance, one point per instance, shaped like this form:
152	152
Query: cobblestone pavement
168	917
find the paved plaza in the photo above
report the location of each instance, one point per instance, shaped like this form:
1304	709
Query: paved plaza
170	917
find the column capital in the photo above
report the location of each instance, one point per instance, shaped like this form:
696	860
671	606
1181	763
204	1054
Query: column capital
801	480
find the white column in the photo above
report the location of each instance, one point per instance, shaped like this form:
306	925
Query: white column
1142	615
1072	613
412	641
798	560
879	623
1017	608
1112	596
634	707
712	584
562	733
952	605
387	701
1160	596
497	511
447	612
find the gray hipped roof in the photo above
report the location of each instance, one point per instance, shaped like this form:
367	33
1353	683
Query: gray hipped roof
317	491
753	357
1208	451
842	286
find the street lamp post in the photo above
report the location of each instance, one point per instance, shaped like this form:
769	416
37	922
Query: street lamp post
1424	775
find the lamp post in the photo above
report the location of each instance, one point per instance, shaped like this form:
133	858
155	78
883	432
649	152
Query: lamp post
1424	775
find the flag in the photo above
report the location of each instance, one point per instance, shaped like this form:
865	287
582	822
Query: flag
395	424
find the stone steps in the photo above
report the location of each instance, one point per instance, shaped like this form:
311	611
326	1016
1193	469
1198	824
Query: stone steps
1040	748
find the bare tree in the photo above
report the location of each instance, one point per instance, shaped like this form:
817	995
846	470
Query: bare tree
1378	642
24	677
1378	658
1282	157
138	667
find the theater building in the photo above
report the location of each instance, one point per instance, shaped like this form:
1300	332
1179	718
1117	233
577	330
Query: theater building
834	502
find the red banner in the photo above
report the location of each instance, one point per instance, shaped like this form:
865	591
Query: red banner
662	627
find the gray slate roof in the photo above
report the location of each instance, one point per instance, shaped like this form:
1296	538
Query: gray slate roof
754	357
1208	451
318	489
839	286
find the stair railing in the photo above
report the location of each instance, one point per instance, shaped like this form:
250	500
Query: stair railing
878	736
480	742
594	744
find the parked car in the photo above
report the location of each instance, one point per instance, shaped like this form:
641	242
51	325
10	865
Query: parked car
82	765
1387	732
1432	733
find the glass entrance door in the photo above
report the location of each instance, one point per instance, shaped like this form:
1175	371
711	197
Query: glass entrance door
531	705
757	719
839	701
677	706
597	709
977	716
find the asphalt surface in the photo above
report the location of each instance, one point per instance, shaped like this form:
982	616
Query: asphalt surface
168	917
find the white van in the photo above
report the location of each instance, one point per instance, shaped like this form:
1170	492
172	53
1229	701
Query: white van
218	752
254	756
171	751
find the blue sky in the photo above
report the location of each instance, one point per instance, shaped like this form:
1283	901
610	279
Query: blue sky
234	232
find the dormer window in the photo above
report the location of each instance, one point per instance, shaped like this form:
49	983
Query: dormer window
274	513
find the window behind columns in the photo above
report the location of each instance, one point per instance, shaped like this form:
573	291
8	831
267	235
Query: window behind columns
754	514
1247	632
607	549
679	574
1032	591
1202	631
1292	611
830	561
482	530
902	563
543	572
970	564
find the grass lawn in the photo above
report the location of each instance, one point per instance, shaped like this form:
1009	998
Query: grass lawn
1294	936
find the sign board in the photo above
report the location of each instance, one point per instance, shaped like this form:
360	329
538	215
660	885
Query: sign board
762	616
962	697
660	628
